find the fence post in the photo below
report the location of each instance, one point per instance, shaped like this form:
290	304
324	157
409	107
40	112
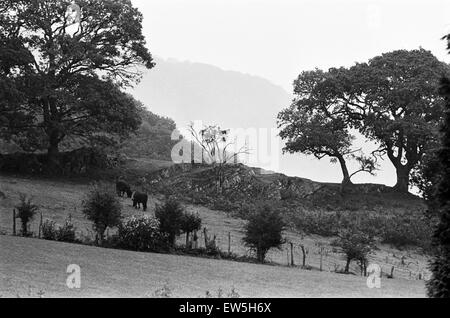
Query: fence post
14	222
205	233
195	240
304	255
321	259
40	227
287	257
292	254
229	242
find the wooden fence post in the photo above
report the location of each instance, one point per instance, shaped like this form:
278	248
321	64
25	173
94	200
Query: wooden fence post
205	233
287	257
321	260
392	272
195	238
14	222
304	255
40	227
292	254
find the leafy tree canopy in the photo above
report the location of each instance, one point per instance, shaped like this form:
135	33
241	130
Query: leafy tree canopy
69	84
392	99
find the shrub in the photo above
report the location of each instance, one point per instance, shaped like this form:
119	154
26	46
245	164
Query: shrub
25	212
356	244
49	230
102	207
66	233
141	234
170	216
407	230
190	223
263	231
319	223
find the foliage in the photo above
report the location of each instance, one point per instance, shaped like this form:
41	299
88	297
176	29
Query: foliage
392	99
141	234
397	229
66	233
215	143
190	223
263	231
439	284
170	216
102	207
49	230
26	211
153	139
76	162
355	243
313	127
69	86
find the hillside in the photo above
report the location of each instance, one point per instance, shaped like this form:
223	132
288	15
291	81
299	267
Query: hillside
57	199
246	184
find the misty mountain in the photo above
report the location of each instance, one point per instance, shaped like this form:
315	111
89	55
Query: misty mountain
186	92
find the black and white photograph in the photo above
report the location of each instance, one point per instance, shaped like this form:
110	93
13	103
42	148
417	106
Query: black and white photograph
235	151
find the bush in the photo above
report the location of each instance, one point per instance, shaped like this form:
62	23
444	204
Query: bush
170	216
141	234
49	230
26	211
190	223
356	244
102	207
407	230
399	230
263	231
66	233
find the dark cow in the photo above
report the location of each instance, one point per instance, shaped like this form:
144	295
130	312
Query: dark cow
138	199
123	188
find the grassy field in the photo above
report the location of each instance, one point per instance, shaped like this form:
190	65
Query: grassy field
30	267
58	199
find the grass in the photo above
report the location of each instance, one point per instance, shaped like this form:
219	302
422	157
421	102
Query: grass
29	267
58	199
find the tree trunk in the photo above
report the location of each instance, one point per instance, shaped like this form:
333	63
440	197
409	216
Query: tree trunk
53	153
24	229
187	239
402	184
261	255
346	176
347	265
304	256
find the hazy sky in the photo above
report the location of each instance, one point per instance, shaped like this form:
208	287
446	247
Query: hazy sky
277	39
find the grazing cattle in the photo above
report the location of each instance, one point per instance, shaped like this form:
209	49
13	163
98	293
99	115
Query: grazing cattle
138	199
123	188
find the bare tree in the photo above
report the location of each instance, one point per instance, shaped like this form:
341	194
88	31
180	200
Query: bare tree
215	143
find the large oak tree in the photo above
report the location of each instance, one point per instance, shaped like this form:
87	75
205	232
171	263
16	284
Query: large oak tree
392	99
70	84
322	129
